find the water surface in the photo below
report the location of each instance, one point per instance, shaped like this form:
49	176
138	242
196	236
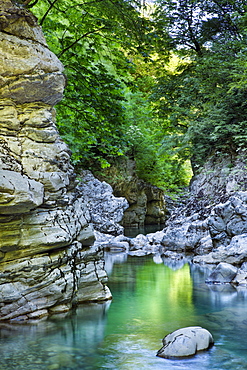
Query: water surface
150	300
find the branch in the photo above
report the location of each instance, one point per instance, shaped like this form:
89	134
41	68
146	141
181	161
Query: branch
79	39
47	12
32	4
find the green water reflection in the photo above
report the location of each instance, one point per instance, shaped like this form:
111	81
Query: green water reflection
150	300
155	300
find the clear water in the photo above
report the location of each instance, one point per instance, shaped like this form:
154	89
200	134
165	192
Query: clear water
150	300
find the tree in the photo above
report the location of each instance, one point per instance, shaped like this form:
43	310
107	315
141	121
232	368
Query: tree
90	38
203	99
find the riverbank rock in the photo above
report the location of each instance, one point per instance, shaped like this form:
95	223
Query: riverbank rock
235	253
241	278
146	203
186	342
47	263
186	234
223	273
228	230
211	221
228	219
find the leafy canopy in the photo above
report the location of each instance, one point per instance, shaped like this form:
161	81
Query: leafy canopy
204	98
161	87
90	38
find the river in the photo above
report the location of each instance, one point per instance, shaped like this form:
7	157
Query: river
151	298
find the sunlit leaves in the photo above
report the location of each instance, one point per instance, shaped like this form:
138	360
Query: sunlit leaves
89	37
202	101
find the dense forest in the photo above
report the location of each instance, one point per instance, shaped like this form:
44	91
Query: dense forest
162	82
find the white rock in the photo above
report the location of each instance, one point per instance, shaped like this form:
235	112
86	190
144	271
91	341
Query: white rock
186	342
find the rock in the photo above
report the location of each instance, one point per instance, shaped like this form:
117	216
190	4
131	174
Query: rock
155	238
221	176
139	242
116	247
222	234
18	194
45	281
235	253
185	234
135	215
241	278
186	342
173	260
228	219
146	202
47	261
105	209
211	222
157	259
156	205
205	245
223	273
139	253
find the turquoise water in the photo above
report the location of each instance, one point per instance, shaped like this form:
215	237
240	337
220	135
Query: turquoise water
150	300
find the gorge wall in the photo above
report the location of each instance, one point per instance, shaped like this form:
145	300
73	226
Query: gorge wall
147	203
47	261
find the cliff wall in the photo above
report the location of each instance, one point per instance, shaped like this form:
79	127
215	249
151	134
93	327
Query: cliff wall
46	262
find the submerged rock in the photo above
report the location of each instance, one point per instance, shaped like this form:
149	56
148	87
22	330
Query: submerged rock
185	342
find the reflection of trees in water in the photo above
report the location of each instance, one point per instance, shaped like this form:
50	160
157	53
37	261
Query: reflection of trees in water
153	293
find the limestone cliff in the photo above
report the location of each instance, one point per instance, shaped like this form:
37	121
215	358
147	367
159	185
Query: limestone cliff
46	264
147	204
212	223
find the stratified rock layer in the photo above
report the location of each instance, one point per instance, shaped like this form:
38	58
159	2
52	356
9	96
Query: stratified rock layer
146	203
46	262
106	210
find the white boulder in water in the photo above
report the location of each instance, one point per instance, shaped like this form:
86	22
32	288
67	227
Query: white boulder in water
186	342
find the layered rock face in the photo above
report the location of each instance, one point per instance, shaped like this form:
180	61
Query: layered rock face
46	264
146	203
106	210
221	176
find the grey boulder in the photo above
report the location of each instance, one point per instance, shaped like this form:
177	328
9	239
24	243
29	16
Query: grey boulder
185	342
223	273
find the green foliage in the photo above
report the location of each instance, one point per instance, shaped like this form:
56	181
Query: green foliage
160	88
203	100
106	50
156	160
89	38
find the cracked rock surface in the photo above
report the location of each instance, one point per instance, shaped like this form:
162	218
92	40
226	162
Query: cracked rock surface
47	262
185	342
